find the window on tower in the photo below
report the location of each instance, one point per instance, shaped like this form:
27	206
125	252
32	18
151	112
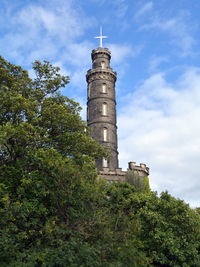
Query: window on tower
105	163
104	109
105	134
104	88
103	64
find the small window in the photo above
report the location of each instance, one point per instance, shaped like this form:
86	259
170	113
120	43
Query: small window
105	163
105	134
103	65
104	109
104	88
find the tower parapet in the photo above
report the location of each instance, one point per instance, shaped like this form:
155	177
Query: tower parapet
141	170
118	175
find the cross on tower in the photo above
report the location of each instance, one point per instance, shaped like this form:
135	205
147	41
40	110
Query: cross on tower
100	37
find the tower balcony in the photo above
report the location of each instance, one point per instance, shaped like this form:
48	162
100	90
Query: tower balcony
101	74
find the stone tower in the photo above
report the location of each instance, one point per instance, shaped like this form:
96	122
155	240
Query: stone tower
101	116
101	106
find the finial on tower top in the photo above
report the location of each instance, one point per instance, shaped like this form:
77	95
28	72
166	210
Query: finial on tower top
100	37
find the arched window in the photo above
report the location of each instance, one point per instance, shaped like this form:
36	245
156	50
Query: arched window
105	134
104	88
103	65
104	109
105	163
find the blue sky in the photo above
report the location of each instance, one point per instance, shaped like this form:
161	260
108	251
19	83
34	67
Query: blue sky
155	51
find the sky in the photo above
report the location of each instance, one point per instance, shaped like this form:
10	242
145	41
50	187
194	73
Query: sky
155	51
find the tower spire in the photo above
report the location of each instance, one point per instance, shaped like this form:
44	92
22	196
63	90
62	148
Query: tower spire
100	37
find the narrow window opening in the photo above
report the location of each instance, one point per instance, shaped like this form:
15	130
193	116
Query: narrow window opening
103	65
105	134
104	89
105	163
104	109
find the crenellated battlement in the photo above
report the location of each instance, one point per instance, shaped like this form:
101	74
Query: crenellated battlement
141	169
99	52
118	175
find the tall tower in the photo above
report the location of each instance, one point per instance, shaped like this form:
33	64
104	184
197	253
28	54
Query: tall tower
101	116
101	105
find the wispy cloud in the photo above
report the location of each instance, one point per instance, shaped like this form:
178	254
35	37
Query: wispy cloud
42	31
179	30
120	52
160	126
122	8
155	62
144	9
52	22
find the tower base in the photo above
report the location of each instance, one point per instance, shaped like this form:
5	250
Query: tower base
118	175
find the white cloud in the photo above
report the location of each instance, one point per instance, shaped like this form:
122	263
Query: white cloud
159	125
178	29
49	31
83	112
59	21
78	54
121	51
40	31
122	8
63	70
144	9
155	62
78	79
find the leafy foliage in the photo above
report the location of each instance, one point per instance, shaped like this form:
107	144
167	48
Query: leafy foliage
53	210
46	168
141	183
170	230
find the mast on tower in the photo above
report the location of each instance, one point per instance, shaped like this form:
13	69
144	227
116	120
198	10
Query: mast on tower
101	37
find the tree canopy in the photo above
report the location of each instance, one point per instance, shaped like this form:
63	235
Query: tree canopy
53	209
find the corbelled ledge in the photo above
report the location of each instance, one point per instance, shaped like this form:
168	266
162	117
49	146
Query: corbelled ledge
101	50
100	71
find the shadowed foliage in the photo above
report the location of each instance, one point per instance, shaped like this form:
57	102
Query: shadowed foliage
53	210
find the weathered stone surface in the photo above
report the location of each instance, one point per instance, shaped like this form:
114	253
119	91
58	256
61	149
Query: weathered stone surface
101	92
101	116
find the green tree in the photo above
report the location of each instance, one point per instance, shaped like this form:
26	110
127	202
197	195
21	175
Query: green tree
125	227
164	229
170	230
141	183
53	211
197	210
47	171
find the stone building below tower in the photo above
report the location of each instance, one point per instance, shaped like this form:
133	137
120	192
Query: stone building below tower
101	116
